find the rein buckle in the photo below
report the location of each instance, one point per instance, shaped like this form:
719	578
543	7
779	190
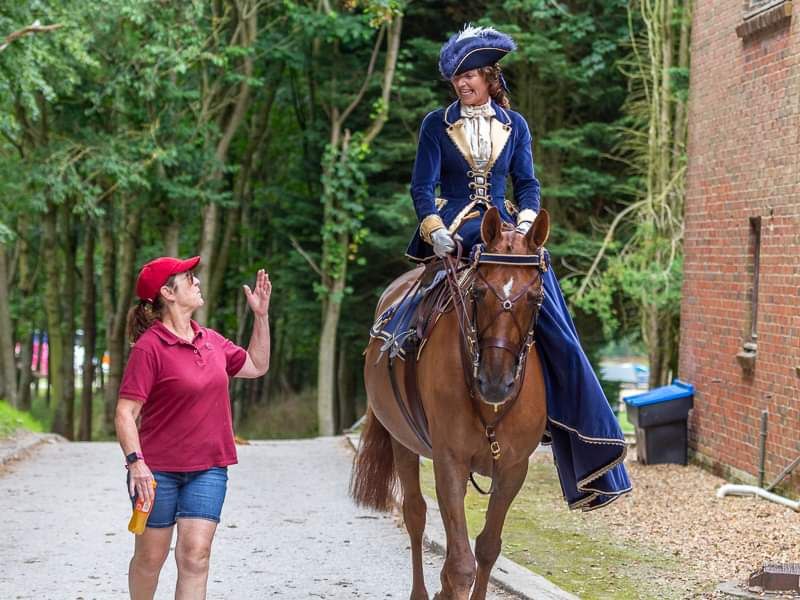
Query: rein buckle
495	448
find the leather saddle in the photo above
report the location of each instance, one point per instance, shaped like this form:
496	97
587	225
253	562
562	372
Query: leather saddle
406	324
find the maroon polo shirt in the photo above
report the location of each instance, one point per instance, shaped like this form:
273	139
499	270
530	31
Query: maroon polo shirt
183	386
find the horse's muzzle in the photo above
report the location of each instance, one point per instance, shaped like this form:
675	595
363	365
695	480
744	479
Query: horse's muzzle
496	389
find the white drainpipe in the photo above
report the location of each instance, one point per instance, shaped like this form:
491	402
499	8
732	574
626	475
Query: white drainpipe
748	490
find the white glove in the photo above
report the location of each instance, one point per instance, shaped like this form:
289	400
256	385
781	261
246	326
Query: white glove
443	243
524	226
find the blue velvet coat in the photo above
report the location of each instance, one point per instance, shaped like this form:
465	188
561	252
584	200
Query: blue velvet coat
444	161
588	445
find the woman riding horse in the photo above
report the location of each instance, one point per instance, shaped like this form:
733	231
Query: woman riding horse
500	361
469	149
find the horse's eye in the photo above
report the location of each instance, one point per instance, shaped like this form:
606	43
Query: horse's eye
534	295
478	292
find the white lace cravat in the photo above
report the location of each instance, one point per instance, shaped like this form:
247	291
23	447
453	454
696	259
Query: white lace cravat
478	124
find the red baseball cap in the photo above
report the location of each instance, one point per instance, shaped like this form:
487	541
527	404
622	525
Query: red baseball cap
155	274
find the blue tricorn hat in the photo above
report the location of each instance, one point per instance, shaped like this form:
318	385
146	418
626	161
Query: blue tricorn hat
473	48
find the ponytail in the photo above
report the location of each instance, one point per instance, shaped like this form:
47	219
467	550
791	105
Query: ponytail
493	77
142	316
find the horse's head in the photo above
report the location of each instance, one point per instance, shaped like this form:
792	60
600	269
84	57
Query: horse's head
507	293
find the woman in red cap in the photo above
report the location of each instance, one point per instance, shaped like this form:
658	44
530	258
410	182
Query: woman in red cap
176	380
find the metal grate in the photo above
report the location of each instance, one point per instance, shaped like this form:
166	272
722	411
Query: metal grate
776	577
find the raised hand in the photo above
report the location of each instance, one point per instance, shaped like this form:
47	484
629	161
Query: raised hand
258	299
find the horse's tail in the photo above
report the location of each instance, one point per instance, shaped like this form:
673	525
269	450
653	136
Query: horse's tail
373	481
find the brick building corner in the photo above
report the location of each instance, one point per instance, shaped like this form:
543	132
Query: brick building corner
740	312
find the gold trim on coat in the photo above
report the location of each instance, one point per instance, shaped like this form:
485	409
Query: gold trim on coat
428	225
462	216
499	132
458	134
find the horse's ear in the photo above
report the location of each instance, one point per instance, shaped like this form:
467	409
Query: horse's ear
540	230
491	226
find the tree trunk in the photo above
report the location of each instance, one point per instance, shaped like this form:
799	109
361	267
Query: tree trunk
55	337
26	327
214	287
68	294
665	110
347	408
9	372
659	341
25	375
108	299
89	335
171	239
207	243
326	386
117	309
679	146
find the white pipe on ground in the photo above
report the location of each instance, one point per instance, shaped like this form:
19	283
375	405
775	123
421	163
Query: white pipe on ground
754	490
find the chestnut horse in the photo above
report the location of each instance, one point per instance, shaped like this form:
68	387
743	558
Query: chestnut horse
499	305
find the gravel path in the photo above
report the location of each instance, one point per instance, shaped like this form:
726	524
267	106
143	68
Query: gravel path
288	528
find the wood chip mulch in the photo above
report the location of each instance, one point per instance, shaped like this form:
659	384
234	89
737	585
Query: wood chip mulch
675	508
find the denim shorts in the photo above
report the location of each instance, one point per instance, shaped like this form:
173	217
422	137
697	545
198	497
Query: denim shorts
192	495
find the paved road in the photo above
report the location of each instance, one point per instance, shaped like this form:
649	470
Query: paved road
288	529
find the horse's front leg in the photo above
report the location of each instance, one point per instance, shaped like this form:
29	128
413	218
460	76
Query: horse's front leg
488	543
414	511
458	572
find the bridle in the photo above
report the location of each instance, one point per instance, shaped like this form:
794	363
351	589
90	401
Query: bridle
461	285
476	343
473	340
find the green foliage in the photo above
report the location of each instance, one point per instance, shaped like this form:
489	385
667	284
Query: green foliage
119	112
12	419
345	191
646	270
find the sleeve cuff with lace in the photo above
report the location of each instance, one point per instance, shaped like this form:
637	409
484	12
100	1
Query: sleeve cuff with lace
428	225
526	215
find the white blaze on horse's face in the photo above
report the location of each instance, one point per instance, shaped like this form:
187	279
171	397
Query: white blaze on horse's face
507	287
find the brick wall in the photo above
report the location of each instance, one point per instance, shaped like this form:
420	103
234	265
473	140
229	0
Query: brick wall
744	161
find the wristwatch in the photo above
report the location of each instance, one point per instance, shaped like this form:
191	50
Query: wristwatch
133	457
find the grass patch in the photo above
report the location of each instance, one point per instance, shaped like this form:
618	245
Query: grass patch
12	419
573	549
289	418
42	413
39	407
627	426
